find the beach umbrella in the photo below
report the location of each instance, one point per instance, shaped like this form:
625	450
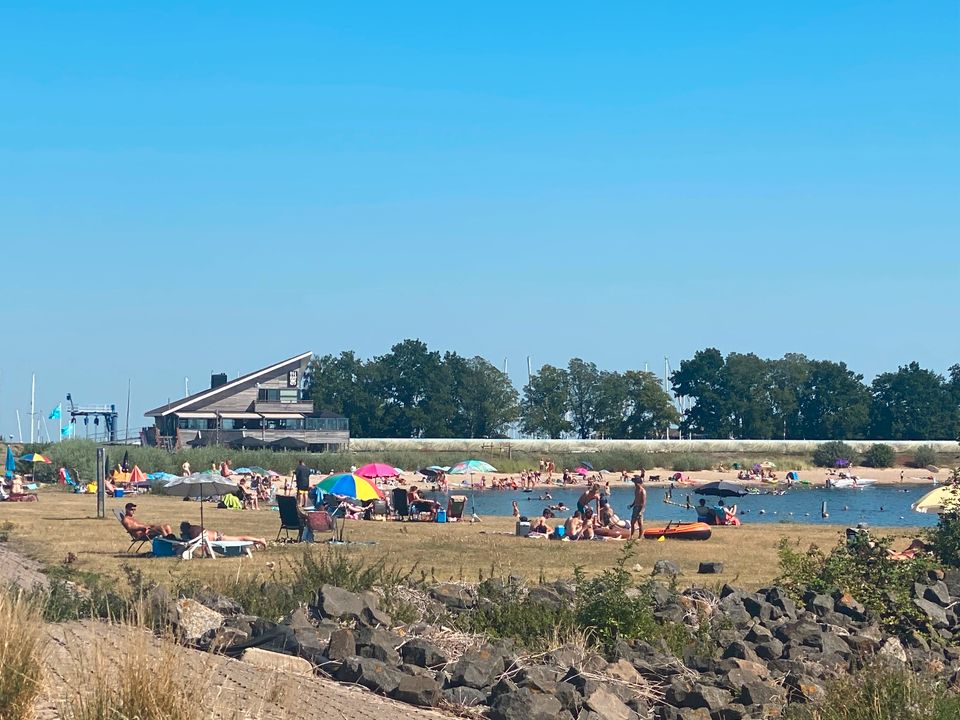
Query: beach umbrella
767	465
582	471
584	463
162	476
945	498
471	466
242	471
35	458
375	470
247	443
136	475
199	485
721	488
289	443
257	470
350	485
11	464
431	471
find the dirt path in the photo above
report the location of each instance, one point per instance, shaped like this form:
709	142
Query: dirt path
235	690
15	569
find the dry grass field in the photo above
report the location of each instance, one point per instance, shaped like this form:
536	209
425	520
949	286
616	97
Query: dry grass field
63	524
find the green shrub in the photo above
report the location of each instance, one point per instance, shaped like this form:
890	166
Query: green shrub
607	612
835	453
879	455
924	455
291	584
881	691
863	568
944	539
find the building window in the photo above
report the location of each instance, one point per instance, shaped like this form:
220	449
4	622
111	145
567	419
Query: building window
289	396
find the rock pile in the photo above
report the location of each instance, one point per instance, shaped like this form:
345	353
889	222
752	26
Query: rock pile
766	651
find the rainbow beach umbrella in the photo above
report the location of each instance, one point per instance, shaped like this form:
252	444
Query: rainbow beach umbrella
35	458
350	485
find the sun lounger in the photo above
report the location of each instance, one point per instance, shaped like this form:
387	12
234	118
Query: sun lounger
186	549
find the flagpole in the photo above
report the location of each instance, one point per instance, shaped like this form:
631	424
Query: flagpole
33	396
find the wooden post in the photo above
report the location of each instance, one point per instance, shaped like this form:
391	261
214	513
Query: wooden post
101	488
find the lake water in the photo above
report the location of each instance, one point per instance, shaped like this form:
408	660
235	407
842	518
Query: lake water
887	506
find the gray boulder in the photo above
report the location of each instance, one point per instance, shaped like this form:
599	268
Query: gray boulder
666	567
192	620
422	653
935	614
378	644
607	705
710	568
546	596
372	674
342	644
334	602
418	690
452	595
524	704
477	669
464	696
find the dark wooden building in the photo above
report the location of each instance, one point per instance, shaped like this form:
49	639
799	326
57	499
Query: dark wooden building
268	407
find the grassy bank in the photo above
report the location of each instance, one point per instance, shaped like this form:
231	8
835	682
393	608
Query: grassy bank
62	524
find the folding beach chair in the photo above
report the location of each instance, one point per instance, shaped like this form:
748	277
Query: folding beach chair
455	507
136	541
290	517
401	506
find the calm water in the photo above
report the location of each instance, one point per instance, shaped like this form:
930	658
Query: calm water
887	506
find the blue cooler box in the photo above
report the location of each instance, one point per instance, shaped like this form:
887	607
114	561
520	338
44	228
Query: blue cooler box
441	516
118	492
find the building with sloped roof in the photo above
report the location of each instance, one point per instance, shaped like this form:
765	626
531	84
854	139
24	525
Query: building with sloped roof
265	408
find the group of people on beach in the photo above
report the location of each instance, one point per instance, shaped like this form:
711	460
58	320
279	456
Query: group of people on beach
594	516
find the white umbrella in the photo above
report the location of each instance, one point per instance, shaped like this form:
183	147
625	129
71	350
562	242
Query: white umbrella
199	485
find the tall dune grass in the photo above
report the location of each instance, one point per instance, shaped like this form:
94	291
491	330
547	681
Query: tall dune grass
148	682
21	655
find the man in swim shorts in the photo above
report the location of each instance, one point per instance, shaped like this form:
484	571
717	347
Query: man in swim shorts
638	505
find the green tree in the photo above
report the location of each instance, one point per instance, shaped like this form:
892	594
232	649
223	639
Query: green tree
787	379
584	386
702	380
913	404
346	385
746	383
416	390
834	403
648	410
545	403
485	398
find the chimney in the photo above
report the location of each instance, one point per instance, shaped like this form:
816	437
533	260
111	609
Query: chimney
217	380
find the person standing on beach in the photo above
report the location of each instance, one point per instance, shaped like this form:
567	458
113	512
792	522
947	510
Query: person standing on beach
302	477
638	505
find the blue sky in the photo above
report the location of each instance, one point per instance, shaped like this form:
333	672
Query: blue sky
209	186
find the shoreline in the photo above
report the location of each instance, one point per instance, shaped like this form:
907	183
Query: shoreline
815	478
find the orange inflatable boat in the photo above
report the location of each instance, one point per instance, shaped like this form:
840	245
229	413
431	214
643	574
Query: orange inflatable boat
671	531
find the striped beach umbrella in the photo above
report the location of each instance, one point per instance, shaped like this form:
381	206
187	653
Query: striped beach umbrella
350	485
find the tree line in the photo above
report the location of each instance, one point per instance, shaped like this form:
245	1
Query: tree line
413	391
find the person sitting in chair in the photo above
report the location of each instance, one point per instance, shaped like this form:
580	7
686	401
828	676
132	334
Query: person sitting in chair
139	530
419	504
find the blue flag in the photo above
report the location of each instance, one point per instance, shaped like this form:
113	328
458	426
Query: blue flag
66	431
55	413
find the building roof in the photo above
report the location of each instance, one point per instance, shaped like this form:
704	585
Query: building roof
244	381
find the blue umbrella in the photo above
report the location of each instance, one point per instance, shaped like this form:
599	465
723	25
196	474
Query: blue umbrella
11	463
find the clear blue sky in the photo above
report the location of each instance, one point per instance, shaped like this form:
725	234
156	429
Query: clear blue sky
213	186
